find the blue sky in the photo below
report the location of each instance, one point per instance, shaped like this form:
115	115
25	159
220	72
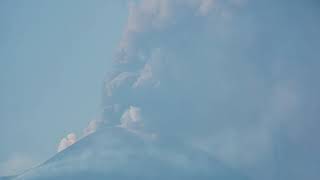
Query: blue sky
54	56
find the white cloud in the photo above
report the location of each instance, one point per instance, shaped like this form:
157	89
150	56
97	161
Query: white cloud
67	141
131	119
92	127
71	138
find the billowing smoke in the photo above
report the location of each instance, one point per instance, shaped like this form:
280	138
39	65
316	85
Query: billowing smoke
235	78
67	141
131	119
71	138
92	127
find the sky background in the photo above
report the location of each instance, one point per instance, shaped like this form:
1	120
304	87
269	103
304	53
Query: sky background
238	79
54	56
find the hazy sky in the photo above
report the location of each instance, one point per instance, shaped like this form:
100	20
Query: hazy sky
238	79
54	56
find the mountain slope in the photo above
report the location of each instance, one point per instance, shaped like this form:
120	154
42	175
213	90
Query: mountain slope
115	153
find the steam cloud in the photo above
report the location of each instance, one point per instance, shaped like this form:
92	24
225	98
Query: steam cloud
131	119
234	78
71	138
92	127
67	141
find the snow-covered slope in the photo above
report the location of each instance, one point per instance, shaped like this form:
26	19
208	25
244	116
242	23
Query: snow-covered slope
115	153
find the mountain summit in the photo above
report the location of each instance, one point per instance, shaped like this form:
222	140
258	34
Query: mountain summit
116	153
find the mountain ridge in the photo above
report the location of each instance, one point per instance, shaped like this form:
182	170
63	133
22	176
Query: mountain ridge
115	153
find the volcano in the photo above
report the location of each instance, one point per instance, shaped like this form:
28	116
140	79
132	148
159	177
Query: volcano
118	154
